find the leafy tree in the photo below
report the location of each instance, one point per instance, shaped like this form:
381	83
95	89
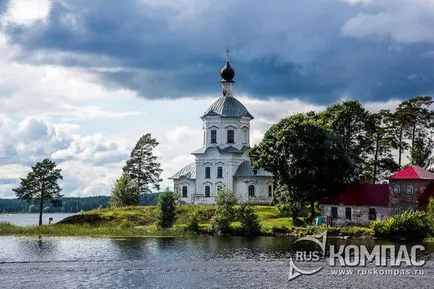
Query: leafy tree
347	120
143	166
380	131
40	185
167	214
249	220
303	156
125	192
225	212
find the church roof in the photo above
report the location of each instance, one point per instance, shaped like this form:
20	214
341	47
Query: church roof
245	170
226	150
227	106
413	172
188	172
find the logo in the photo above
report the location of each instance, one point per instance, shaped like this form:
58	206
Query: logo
307	256
312	260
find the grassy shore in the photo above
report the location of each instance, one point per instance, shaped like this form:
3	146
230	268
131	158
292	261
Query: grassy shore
140	222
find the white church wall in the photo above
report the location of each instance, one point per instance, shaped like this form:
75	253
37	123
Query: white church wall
261	189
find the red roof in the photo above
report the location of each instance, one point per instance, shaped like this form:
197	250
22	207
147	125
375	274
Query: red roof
357	195
413	172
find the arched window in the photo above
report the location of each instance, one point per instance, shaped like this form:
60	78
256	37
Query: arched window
213	136
270	190
251	191
397	189
410	189
231	136
184	192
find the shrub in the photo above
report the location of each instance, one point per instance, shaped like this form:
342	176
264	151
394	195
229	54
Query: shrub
125	192
166	216
193	223
224	213
249	220
408	225
430	213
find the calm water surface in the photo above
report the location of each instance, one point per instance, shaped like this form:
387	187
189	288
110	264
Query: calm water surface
203	262
32	219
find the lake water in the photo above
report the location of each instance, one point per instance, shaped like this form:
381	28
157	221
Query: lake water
202	262
32	218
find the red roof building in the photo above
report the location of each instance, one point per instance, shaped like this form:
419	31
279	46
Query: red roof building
413	172
357	195
409	189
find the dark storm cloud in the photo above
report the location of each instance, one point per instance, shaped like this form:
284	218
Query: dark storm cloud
287	49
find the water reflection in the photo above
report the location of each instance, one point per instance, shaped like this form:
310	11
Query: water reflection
200	262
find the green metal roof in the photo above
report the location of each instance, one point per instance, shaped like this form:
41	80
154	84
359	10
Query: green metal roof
227	106
188	172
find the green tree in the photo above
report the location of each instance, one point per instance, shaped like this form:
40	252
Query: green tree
400	124
249	220
167	214
225	212
347	120
143	166
125	192
304	158
381	163
40	185
422	151
417	121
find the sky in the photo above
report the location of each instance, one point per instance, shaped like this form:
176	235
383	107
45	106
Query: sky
81	81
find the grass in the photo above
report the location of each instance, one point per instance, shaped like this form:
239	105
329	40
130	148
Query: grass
140	221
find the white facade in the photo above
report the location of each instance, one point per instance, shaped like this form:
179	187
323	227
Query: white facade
222	161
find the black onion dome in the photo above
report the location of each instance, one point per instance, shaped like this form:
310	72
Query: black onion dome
227	73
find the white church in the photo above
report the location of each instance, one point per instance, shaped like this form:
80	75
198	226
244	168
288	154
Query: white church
223	161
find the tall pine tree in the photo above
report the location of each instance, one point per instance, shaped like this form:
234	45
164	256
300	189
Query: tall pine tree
143	166
40	185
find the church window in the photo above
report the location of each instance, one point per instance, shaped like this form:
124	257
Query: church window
397	189
220	172
246	135
410	189
251	191
207	172
270	191
231	136
219	188
213	136
184	192
207	191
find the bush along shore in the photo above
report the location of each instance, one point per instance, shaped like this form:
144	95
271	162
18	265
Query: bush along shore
191	220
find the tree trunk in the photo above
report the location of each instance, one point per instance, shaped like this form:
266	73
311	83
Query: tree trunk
400	147
41	207
413	133
374	177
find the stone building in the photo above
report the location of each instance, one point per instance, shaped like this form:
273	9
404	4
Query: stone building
408	189
222	161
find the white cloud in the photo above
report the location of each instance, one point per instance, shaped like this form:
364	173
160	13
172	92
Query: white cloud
26	12
405	21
